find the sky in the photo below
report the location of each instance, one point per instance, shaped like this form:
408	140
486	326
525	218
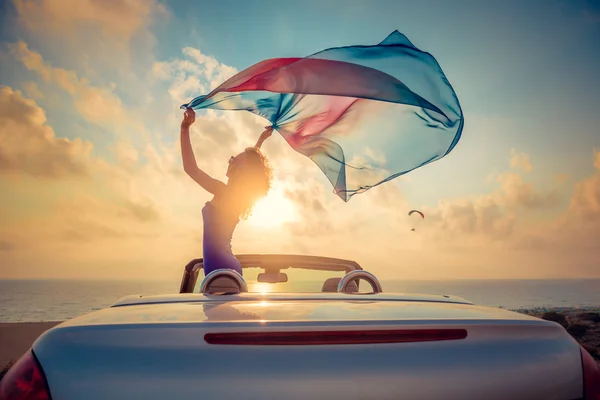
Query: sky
90	170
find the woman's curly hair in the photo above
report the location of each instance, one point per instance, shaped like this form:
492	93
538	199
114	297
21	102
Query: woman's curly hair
251	183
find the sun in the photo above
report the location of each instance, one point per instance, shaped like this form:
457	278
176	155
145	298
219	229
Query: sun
274	210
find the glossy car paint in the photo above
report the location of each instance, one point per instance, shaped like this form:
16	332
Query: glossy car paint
154	348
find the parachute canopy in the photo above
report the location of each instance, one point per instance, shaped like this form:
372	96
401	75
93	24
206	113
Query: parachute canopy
416	211
363	114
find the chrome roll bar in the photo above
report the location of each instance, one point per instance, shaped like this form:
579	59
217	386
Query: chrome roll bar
224	273
355	276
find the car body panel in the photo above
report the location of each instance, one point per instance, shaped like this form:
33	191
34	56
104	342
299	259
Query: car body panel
262	296
310	308
156	349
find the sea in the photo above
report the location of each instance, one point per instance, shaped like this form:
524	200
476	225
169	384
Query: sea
59	300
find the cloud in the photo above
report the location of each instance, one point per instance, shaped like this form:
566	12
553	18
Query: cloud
120	225
562	178
99	105
110	43
568	243
312	218
106	216
522	194
520	160
492	216
113	18
127	155
5	245
30	146
195	74
517	193
214	72
585	202
481	216
32	90
88	218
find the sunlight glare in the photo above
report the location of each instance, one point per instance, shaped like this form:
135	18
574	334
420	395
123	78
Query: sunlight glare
274	210
260	287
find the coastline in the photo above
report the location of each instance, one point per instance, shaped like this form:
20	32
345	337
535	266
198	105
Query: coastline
17	337
583	323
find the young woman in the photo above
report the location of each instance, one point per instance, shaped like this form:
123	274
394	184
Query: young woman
249	179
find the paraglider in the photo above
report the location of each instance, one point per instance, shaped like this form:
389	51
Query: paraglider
416	219
364	114
411	212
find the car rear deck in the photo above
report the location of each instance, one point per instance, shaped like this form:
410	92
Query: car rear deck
253	345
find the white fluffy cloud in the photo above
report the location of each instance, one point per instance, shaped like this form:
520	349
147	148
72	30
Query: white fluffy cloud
99	105
29	146
518	193
109	34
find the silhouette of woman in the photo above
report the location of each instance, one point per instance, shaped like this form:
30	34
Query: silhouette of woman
249	179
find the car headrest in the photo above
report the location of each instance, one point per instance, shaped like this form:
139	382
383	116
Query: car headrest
331	285
223	281
223	284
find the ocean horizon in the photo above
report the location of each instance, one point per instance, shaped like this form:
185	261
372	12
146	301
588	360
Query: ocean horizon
36	300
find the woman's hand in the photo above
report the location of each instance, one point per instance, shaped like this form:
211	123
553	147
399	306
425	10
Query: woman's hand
264	136
267	133
189	117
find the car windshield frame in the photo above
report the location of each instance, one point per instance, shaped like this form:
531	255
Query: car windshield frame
271	263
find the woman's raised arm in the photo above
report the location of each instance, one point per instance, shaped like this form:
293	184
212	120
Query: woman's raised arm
190	166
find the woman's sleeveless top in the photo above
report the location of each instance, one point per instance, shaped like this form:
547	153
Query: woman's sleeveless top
218	230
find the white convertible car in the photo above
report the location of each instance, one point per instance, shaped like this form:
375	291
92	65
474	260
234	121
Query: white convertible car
217	340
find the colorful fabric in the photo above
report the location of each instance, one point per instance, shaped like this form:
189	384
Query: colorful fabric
363	114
